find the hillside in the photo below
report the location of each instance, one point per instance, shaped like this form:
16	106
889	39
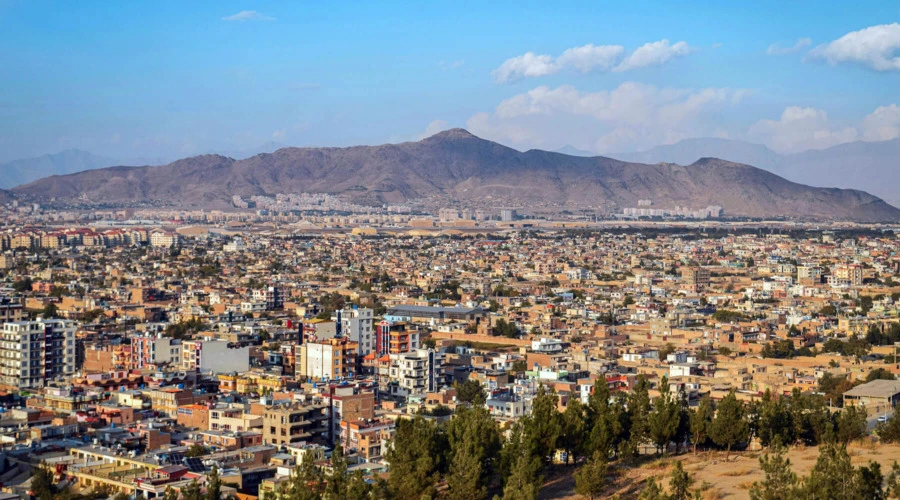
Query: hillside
18	172
458	164
869	166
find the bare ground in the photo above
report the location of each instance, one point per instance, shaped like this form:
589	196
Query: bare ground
723	480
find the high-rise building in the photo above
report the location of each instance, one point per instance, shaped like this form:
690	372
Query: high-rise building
695	277
274	298
395	338
415	372
356	324
33	353
329	359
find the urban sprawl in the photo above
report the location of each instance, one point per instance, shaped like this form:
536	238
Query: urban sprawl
297	347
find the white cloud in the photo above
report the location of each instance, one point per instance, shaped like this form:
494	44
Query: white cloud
248	15
588	58
633	116
653	54
528	64
876	47
433	128
278	135
717	45
777	50
800	129
883	124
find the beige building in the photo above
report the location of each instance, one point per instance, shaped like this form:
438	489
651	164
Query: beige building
295	423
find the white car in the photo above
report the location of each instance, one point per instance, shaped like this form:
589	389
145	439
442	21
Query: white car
883	418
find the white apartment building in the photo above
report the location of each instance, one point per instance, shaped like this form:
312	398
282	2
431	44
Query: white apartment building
357	324
214	356
164	239
35	352
415	372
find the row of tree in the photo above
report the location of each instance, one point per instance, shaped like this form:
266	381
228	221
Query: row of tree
467	456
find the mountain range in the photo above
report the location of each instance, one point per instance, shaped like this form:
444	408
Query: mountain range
70	161
458	165
873	167
18	172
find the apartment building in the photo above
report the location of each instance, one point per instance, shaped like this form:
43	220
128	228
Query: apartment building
33	353
414	372
232	418
11	311
849	273
395	338
329	359
214	356
695	278
356	324
154	350
164	239
295	423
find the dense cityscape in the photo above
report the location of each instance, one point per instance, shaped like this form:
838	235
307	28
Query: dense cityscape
441	356
394	250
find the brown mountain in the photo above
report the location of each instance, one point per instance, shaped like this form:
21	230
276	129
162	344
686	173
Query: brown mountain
458	164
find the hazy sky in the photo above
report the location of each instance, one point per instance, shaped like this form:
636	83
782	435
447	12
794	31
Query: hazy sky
174	78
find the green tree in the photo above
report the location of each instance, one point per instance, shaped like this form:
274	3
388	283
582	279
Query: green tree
664	419
543	428
701	421
214	485
850	424
780	483
879	374
50	311
170	494
413	458
774	422
602	419
729	427
196	450
893	481
652	491
834	477
474	442
523	483
357	487
43	484
192	491
306	479
680	482
572	438
472	392
464	482
336	482
639	414
591	477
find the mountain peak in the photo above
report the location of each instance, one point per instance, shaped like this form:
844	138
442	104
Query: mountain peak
453	133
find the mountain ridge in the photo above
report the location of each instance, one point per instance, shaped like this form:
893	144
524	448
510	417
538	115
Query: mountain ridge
459	165
869	166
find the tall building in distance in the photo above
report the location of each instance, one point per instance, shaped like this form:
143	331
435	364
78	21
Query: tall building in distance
356	324
32	353
695	278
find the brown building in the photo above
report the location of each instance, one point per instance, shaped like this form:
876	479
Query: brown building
286	424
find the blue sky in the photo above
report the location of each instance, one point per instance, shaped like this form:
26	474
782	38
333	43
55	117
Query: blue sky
170	79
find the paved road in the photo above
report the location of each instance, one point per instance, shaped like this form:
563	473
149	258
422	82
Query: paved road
872	421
